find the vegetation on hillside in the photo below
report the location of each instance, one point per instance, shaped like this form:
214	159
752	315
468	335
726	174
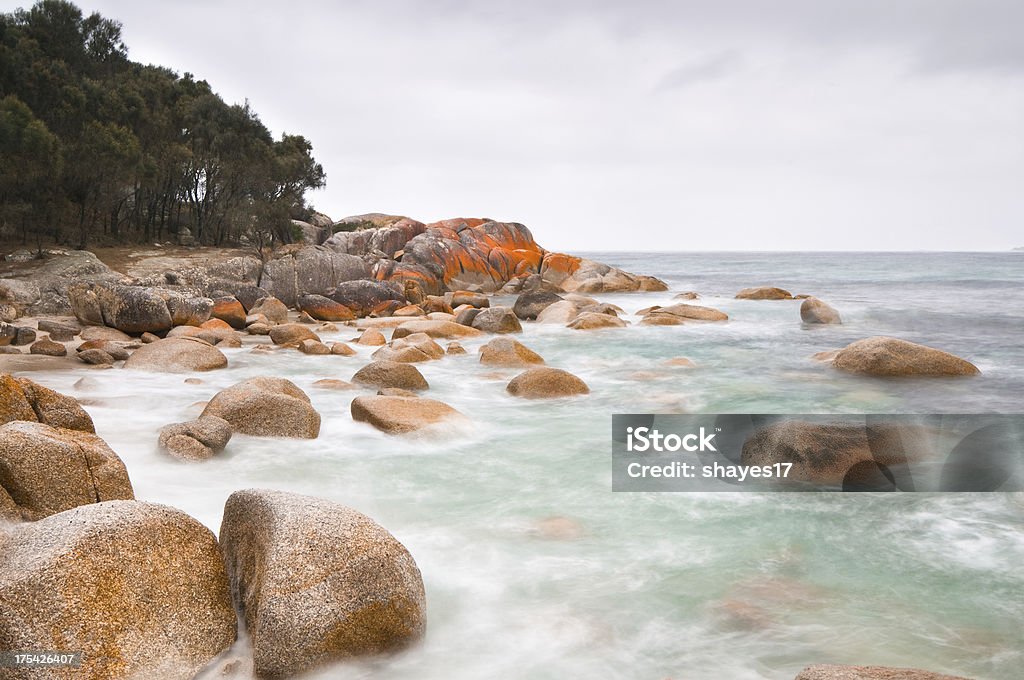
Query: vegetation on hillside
96	148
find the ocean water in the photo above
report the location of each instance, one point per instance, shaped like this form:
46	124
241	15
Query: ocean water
535	569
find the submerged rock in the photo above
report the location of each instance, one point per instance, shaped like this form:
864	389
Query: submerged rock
266	407
140	589
399	413
832	672
66	468
177	355
545	383
813	310
886	356
317	582
823	453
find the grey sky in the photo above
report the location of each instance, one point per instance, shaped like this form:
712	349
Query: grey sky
637	125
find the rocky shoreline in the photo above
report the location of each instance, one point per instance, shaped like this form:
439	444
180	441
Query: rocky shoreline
316	581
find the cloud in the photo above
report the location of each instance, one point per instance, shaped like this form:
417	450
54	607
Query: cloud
819	124
711	68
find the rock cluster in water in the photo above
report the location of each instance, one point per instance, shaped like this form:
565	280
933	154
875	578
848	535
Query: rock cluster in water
144	590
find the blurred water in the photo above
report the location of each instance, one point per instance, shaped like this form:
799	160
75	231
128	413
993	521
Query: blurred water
654	585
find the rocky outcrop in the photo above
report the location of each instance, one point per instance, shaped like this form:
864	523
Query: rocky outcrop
40	287
508	352
66	468
136	309
892	357
197	439
317	582
316	270
139	589
764	293
266	407
383	374
546	383
368	297
177	355
23	399
832	672
401	414
815	311
471	254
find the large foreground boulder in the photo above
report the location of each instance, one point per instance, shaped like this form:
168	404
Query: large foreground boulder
22	399
546	383
832	672
177	355
885	356
266	407
45	470
401	414
139	589
317	582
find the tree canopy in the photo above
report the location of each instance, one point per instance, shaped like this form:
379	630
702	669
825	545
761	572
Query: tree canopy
96	148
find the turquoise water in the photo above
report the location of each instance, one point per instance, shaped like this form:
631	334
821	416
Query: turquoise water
653	585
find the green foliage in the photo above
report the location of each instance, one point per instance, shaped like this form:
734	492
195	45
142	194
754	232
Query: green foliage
97	147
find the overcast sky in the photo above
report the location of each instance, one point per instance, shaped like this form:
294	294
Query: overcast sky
637	124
